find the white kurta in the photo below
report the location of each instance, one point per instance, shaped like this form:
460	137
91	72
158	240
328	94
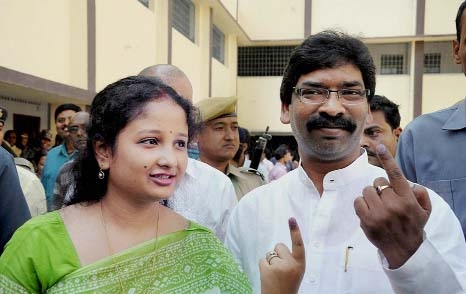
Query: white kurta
205	195
329	225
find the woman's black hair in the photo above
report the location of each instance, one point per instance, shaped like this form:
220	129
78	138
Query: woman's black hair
111	110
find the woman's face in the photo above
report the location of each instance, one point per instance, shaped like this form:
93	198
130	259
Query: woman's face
150	154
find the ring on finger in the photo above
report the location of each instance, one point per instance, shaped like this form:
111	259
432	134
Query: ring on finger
379	189
270	255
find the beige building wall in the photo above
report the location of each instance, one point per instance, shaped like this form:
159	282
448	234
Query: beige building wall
46	38
224	74
397	88
367	18
125	40
440	16
231	6
272	20
259	105
441	91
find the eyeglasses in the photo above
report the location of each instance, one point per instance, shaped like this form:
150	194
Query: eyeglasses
75	129
319	95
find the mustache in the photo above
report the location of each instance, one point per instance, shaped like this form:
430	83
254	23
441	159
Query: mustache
369	152
339	122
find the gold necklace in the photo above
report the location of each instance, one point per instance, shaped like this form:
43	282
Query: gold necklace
109	246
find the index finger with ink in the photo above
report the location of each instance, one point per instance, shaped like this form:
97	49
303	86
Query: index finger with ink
297	244
395	176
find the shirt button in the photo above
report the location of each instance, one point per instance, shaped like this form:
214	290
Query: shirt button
312	279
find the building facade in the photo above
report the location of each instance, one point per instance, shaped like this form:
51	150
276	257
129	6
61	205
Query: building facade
56	51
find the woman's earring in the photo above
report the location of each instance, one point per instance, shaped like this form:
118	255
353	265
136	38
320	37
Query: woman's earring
101	174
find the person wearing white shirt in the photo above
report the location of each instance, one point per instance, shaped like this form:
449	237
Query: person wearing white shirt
364	229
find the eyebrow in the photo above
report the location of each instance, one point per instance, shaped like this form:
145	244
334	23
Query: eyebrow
342	85
157	132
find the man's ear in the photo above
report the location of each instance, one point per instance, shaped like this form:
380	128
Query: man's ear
103	154
285	113
397	132
456	49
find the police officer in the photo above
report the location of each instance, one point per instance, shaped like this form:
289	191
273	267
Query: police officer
218	142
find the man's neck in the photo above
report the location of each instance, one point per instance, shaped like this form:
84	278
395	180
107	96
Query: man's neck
316	169
69	147
221	166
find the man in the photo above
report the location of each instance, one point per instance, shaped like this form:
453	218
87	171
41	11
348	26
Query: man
10	139
60	154
241	159
64	185
204	195
395	238
431	148
218	141
14	210
383	128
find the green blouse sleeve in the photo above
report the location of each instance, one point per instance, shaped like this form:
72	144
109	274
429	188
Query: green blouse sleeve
38	255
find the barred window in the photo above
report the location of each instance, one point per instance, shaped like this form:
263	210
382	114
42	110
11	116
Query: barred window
218	44
145	2
432	62
263	61
183	17
391	64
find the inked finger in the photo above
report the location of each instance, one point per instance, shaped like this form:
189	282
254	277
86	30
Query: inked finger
297	244
397	180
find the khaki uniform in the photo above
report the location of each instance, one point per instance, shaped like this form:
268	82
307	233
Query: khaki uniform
244	180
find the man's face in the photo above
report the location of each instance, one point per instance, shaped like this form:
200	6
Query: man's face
11	138
62	122
378	131
328	132
459	48
219	139
78	130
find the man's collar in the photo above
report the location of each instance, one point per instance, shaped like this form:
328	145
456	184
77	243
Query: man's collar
457	120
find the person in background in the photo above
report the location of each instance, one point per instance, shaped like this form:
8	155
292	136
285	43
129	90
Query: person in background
14	210
283	155
65	184
218	141
365	229
204	195
382	128
9	143
265	165
241	158
60	154
431	148
32	187
115	227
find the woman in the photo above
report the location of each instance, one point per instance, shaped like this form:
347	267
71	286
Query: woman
283	155
115	237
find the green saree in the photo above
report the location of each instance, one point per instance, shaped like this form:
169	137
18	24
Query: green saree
41	258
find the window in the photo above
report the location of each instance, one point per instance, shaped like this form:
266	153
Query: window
183	17
391	64
218	44
263	61
432	62
145	2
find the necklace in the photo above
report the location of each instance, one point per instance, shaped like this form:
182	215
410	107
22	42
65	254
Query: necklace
110	249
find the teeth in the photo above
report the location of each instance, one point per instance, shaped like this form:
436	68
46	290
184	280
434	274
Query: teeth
163	176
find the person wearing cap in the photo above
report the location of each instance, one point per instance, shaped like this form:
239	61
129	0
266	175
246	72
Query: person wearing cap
14	210
60	154
240	159
218	142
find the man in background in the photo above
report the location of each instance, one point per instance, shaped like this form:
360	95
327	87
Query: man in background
432	148
60	154
218	142
383	128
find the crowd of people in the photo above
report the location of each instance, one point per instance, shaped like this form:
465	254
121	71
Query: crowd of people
363	209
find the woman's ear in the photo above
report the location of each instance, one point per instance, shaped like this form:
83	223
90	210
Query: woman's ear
103	154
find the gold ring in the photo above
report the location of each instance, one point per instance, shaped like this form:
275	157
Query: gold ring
270	255
379	189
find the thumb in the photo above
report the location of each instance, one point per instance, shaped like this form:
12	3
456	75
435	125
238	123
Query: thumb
422	197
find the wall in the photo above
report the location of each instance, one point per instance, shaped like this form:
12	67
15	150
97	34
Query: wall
272	20
224	75
441	91
368	18
260	104
125	34
440	16
397	88
24	107
230	6
46	38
